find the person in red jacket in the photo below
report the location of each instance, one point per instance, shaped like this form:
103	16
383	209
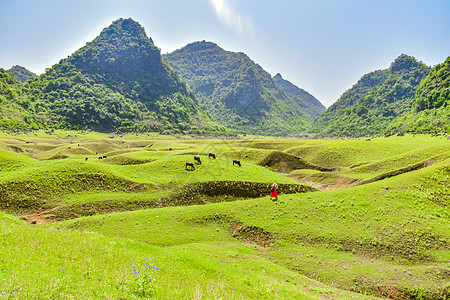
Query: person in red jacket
273	192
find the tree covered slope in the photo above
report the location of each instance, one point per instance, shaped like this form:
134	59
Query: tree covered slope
14	111
431	110
236	91
21	73
374	101
119	81
305	100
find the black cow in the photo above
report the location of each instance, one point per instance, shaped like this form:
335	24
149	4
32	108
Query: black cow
237	162
212	155
190	165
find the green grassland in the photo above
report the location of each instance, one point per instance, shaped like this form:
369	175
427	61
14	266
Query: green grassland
138	224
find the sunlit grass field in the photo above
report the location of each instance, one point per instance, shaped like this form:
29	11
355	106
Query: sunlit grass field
138	224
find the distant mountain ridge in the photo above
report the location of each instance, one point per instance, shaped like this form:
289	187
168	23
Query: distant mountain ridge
120	82
21	73
237	92
13	106
308	102
378	98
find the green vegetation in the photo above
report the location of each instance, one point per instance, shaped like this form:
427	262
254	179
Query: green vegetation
305	100
378	98
21	73
137	222
431	111
237	92
117	82
14	113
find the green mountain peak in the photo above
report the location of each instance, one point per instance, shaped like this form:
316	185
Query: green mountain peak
378	98
305	100
21	73
118	81
404	62
236	91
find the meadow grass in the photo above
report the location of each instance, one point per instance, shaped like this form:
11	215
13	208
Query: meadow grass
388	237
42	262
338	236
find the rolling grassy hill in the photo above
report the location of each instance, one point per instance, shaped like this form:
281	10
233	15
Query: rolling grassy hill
133	216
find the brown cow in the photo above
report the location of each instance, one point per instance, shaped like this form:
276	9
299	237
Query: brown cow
197	159
190	165
237	162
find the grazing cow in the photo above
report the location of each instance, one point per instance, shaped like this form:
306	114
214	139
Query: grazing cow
197	159
190	165
237	162
104	156
86	159
212	155
100	157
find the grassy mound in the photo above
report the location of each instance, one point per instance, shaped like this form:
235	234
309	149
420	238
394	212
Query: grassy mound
47	183
285	163
10	161
340	237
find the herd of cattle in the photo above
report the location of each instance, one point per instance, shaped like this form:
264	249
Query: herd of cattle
197	160
191	165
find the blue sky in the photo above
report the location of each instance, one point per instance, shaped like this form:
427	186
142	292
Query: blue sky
322	46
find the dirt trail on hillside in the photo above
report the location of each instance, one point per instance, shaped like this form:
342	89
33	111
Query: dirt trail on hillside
339	183
43	217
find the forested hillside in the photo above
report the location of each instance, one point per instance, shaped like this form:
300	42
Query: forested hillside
237	92
21	73
305	100
369	107
119	81
431	110
14	111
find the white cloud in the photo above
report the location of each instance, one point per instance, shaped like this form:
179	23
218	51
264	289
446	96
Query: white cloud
231	18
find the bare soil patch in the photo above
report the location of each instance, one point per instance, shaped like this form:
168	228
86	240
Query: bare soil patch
251	234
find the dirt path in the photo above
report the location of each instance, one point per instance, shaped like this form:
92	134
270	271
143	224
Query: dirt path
43	217
339	183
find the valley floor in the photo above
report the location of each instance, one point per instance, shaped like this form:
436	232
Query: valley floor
355	219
